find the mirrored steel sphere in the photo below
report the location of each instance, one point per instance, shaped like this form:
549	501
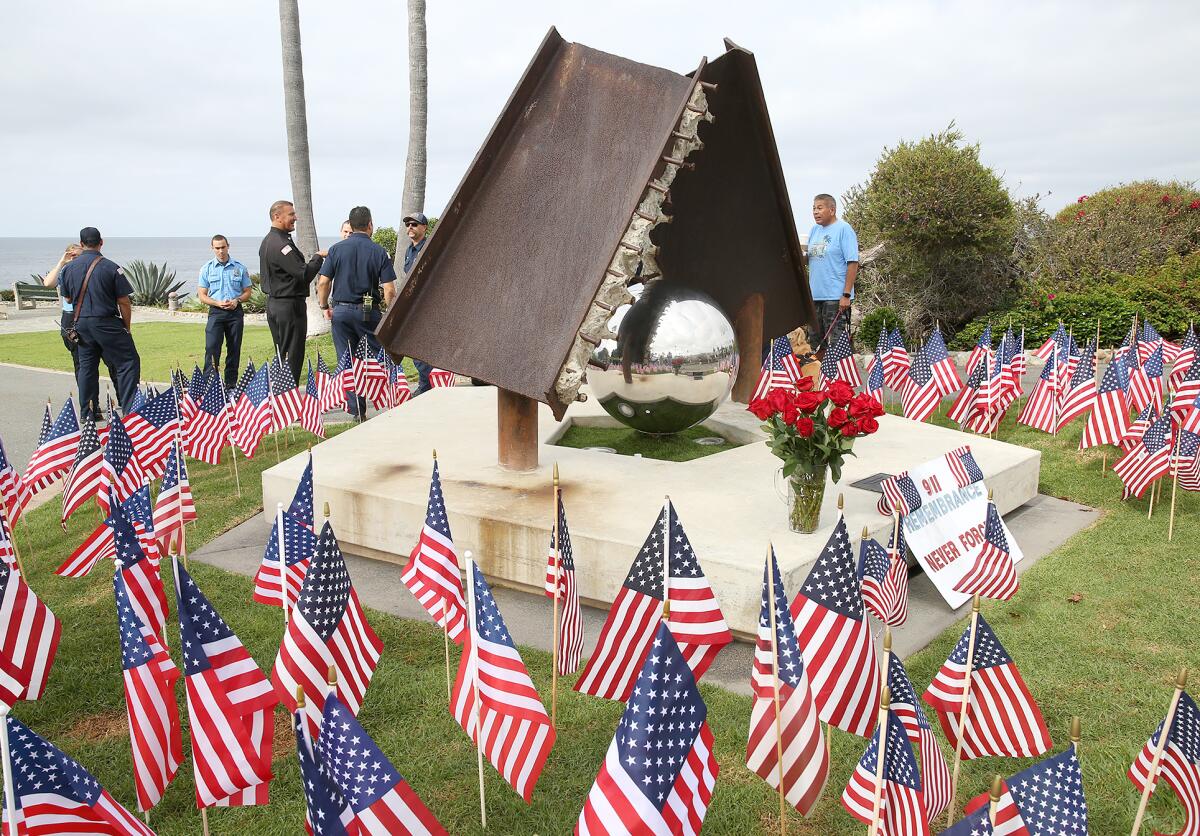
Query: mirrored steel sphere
673	362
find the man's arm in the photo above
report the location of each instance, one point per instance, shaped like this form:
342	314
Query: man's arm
126	309
851	275
389	294
323	285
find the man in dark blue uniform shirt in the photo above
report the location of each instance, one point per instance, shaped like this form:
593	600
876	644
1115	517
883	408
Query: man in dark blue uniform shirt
99	293
355	268
416	226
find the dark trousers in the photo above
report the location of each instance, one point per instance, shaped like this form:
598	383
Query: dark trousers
828	330
224	327
105	338
423	370
350	324
64	323
288	324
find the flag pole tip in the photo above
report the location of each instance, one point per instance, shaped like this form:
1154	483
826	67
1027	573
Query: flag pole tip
1076	732
885	700
1181	680
435	454
331	675
997	789
325	510
991	493
887	639
556	474
841	501
299	696
975	603
865	533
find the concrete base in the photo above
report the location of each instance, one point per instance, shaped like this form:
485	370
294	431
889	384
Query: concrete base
376	480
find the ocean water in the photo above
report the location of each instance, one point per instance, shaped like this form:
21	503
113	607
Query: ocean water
21	257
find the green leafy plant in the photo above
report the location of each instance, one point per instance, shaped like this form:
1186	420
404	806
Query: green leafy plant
152	284
873	323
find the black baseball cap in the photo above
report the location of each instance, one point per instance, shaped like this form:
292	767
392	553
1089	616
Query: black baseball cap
89	236
418	217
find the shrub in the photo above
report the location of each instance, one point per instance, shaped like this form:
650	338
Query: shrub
257	303
8	295
1123	229
867	335
949	228
152	284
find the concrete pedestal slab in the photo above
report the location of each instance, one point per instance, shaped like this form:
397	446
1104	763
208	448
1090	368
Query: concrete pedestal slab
376	480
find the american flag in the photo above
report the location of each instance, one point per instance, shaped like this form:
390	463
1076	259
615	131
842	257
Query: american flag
330	387
884	578
935	774
560	574
962	464
439	378
1002	716
1044	800
98	545
325	811
187	406
381	801
838	362
1014	365
122	467
994	575
286	396
944	372
783	716
876	377
231	705
978	823
432	573
1141	393
55	449
899	492
895	361
198	384
29	634
243	382
1138	428
1179	764
780	369
53	794
902	808
920	394
13	490
1186	390
1152	340
835	638
310	406
1080	393
328	627
369	377
299	544
152	430
1149	460
1041	410
376	368
210	431
1109	419
637	793
1187	460
695	615
982	349
1052	343
343	382
1186	357
494	699
398	384
302	500
7	553
86	477
971	399
1154	376
254	411
174	506
150	675
142	581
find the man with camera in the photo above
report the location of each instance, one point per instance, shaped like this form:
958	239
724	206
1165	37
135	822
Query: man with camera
100	321
350	284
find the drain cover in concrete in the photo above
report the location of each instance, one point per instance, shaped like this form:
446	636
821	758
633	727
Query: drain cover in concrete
600	449
711	441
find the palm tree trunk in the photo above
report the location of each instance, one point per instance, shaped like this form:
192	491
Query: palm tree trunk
418	115
296	119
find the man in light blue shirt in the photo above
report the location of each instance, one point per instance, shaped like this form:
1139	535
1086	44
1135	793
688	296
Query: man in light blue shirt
832	269
224	285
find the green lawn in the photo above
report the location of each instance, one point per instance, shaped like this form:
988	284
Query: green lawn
162	346
1110	657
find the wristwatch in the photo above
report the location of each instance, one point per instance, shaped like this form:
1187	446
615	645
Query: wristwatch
845	295
323	307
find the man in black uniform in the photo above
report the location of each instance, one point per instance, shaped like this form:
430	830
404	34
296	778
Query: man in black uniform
356	267
286	278
99	293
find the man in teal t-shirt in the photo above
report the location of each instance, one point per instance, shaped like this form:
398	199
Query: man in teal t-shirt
832	268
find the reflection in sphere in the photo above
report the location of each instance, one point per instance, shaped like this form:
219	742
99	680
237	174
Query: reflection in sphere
673	362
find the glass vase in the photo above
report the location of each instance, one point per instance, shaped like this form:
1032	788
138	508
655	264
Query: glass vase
805	493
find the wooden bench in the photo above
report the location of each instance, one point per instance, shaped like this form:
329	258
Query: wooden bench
27	295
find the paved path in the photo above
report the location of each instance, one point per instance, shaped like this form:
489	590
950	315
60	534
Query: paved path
45	317
1040	526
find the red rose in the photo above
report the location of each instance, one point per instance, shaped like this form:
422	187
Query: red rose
867	425
862	405
761	409
804	427
1195	204
790	414
1082	198
838	417
804	384
850	430
1080	214
840	392
777	399
809	401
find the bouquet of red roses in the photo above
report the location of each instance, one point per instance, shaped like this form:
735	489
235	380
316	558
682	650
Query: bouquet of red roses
811	430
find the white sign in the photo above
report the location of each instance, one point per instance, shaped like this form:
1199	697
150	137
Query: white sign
946	531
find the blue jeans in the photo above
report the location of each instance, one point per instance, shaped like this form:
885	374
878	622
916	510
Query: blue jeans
423	370
350	324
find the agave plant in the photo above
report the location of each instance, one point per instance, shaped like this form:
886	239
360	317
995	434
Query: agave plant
152	284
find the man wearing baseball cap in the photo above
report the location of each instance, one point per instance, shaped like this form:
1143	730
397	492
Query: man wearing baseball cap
101	318
416	226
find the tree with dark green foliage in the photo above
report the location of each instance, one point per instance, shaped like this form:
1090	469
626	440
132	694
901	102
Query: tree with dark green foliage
949	227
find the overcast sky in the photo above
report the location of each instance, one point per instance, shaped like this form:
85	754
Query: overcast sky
166	118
